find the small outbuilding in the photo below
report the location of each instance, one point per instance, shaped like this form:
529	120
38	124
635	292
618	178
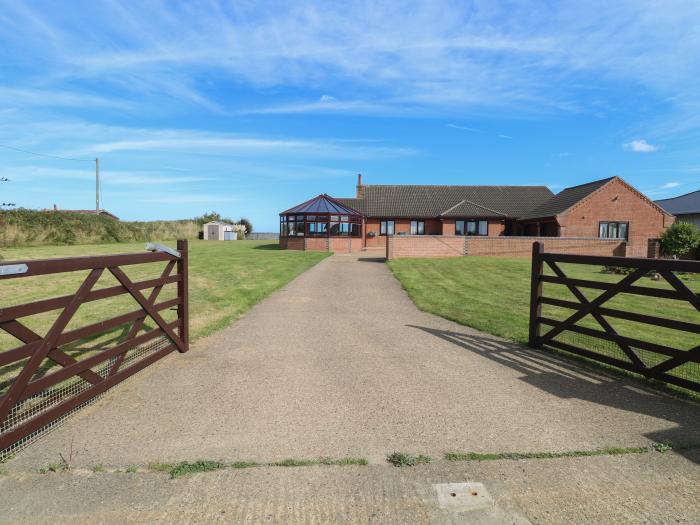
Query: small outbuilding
219	231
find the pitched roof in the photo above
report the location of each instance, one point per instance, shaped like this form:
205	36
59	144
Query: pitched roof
565	199
448	201
683	204
322	204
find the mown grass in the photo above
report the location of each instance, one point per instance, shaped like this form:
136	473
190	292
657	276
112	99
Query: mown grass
225	280
492	294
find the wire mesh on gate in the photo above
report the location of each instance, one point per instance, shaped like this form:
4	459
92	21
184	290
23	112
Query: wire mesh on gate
47	399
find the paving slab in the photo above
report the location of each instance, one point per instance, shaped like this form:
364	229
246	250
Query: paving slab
340	363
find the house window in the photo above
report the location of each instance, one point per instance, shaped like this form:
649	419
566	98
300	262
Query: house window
417	227
613	230
386	228
471	227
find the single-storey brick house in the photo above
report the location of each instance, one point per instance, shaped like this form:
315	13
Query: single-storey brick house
606	209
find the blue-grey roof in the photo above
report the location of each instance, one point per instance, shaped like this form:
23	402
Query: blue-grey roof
683	204
322	204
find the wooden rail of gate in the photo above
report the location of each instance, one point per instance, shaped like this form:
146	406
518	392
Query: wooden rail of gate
667	359
31	403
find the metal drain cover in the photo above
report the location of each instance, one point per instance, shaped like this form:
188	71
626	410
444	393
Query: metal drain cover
458	497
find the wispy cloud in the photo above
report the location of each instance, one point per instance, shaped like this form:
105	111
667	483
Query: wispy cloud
670	185
475	130
639	146
435	55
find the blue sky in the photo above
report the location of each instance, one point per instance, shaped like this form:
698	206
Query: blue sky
248	108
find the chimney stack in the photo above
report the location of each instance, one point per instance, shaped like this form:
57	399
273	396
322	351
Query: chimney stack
360	194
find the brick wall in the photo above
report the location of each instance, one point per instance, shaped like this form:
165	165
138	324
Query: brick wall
616	201
456	246
522	246
424	246
292	243
317	244
345	245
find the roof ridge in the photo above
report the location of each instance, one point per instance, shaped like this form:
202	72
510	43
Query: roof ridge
588	183
455	186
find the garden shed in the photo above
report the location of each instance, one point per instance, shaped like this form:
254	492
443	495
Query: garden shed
219	231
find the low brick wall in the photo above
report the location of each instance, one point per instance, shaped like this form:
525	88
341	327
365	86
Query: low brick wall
522	246
292	243
322	244
424	246
456	246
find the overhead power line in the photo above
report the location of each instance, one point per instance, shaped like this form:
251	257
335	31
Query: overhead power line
45	154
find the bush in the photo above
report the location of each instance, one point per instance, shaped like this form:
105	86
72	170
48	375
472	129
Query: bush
248	225
24	227
680	239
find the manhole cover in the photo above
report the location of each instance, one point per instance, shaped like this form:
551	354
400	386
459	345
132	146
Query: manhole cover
458	497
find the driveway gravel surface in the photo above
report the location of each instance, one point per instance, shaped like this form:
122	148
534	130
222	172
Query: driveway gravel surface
341	363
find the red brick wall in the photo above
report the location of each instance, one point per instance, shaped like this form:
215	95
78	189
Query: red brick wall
345	245
372	225
292	243
497	228
424	246
616	202
456	246
522	246
317	244
448	227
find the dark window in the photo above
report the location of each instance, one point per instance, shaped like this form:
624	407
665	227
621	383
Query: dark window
354	229
417	227
386	228
613	230
471	227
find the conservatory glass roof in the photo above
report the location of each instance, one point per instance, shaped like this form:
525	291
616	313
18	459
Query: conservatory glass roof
322	204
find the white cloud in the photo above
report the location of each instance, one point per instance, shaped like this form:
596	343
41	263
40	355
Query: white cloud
440	55
670	185
639	146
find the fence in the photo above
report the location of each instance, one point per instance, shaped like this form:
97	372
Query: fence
624	324
48	377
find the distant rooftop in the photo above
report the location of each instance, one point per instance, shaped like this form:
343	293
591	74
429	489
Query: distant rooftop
683	204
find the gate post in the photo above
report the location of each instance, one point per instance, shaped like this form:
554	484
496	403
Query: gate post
183	314
535	294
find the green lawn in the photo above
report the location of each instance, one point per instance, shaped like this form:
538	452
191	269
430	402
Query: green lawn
225	278
493	294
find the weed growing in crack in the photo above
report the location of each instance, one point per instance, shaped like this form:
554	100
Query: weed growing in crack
402	459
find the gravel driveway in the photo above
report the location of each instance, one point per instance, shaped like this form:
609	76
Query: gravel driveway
341	363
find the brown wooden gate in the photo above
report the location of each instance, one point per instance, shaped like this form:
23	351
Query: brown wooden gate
651	357
41	381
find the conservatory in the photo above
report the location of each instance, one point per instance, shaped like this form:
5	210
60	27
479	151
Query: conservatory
322	224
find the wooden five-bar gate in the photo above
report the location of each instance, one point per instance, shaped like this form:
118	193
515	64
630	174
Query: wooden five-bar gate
40	381
636	351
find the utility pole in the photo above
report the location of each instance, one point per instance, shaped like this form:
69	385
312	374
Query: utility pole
97	185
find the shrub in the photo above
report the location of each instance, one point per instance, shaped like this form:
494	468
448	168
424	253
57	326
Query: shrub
680	239
248	225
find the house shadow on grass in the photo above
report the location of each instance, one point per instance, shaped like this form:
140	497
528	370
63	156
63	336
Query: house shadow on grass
569	379
271	246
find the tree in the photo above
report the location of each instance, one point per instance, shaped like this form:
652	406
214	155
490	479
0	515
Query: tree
248	225
680	239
